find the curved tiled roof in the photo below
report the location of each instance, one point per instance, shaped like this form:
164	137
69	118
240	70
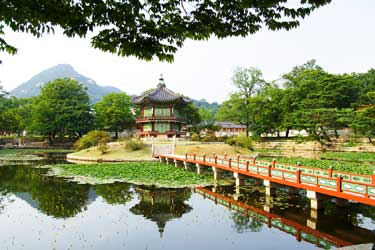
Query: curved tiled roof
160	95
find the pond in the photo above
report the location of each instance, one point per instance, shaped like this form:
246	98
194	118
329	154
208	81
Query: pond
38	211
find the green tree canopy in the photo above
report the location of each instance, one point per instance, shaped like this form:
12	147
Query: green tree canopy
243	105
150	28
113	113
62	109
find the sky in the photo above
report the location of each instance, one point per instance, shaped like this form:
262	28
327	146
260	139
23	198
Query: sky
340	36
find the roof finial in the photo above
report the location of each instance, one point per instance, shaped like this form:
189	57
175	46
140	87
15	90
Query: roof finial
161	82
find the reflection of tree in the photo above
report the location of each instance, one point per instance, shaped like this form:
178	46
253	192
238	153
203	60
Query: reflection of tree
243	223
55	196
162	205
116	193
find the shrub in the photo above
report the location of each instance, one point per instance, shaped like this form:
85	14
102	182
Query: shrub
103	146
92	139
134	145
241	141
195	137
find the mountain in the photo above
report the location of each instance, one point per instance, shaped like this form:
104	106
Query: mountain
212	107
32	86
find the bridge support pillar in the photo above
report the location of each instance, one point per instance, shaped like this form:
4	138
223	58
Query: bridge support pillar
312	222
160	159
175	163
270	187
240	179
186	165
316	199
267	204
166	160
342	202
199	168
217	173
237	193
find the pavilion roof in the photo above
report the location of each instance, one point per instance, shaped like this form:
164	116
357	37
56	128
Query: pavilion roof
161	94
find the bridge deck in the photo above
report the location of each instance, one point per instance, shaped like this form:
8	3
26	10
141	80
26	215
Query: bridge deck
349	186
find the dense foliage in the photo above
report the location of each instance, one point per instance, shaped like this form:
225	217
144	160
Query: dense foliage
150	28
113	113
62	108
340	166
91	139
307	98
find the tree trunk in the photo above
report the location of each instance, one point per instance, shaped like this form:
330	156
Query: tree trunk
287	133
371	141
278	133
116	135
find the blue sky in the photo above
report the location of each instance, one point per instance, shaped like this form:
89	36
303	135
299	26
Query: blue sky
340	36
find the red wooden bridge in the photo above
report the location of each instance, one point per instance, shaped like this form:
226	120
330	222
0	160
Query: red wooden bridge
328	182
300	231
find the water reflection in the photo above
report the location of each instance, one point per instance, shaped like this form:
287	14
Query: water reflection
161	205
53	196
214	218
331	227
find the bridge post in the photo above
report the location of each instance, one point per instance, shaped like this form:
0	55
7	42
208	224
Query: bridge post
175	163
316	199
217	173
267	205
240	179
186	165
236	196
167	160
270	187
199	168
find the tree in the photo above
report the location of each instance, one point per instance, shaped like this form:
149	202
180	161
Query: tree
15	115
191	113
150	28
206	116
242	107
364	119
113	113
62	109
316	100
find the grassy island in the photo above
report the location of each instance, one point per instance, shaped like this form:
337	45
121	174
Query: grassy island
152	173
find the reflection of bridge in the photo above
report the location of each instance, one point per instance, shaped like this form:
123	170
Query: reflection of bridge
319	183
301	232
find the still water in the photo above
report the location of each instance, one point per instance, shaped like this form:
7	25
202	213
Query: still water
38	211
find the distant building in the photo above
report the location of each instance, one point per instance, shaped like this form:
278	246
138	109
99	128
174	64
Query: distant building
229	129
160	113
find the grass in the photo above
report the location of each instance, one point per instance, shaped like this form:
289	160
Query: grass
153	173
118	151
340	166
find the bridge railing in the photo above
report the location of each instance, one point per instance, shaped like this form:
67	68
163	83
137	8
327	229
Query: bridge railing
363	185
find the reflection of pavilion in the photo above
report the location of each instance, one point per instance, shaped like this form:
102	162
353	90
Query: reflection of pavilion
161	205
